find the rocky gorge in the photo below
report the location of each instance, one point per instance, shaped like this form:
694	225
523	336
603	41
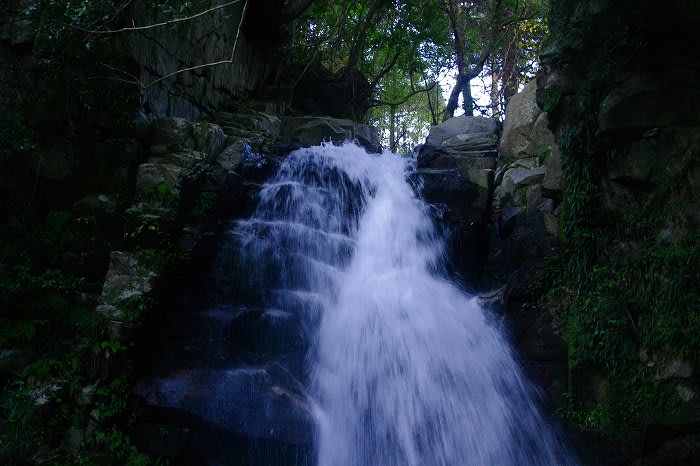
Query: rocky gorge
575	220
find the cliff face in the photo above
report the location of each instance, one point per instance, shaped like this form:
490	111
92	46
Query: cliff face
620	87
225	35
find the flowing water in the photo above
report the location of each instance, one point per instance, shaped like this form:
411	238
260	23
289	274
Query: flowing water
404	368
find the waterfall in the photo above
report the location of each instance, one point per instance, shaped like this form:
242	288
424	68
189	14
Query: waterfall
403	367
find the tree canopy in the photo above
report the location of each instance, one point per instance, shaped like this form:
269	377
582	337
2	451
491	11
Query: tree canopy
404	47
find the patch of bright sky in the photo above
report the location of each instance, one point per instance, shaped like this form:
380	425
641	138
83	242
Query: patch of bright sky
480	89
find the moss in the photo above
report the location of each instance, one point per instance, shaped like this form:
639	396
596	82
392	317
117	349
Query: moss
627	296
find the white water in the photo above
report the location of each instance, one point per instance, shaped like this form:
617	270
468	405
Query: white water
406	369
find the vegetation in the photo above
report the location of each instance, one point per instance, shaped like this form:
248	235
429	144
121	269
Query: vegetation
625	279
403	48
624	293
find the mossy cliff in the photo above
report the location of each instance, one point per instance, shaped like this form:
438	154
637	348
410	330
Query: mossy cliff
619	83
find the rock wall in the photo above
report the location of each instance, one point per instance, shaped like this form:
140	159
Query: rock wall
455	172
619	86
210	38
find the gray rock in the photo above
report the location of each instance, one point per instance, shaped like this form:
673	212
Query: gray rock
480	127
174	133
553	175
209	139
231	157
152	178
514	179
685	393
264	403
521	114
246	124
128	279
675	369
311	131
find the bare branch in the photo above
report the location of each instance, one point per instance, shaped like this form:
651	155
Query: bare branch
378	103
191	68
156	25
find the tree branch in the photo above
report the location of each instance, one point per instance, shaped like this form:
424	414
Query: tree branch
386	69
378	103
156	25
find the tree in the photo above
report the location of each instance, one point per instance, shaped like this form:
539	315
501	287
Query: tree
478	29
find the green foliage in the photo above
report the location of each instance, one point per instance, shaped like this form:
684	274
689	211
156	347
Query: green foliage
18	140
626	296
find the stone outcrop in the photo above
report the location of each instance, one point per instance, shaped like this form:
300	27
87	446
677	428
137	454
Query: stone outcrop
309	131
456	174
525	212
199	173
624	111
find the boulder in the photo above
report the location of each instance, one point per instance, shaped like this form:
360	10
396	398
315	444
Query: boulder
513	180
128	280
460	142
209	139
260	403
465	191
247	123
553	175
311	131
478	130
521	114
173	133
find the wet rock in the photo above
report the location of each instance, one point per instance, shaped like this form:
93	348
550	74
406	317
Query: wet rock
465	192
264	403
256	165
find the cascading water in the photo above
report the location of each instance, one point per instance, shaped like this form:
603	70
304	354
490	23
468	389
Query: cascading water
404	368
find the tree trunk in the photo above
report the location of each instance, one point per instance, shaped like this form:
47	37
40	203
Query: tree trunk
453	101
495	96
392	128
509	76
468	101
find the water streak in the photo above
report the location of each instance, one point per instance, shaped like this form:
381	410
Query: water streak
405	368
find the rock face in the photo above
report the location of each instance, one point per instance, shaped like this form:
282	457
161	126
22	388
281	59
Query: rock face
456	174
209	38
227	380
526	217
624	113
